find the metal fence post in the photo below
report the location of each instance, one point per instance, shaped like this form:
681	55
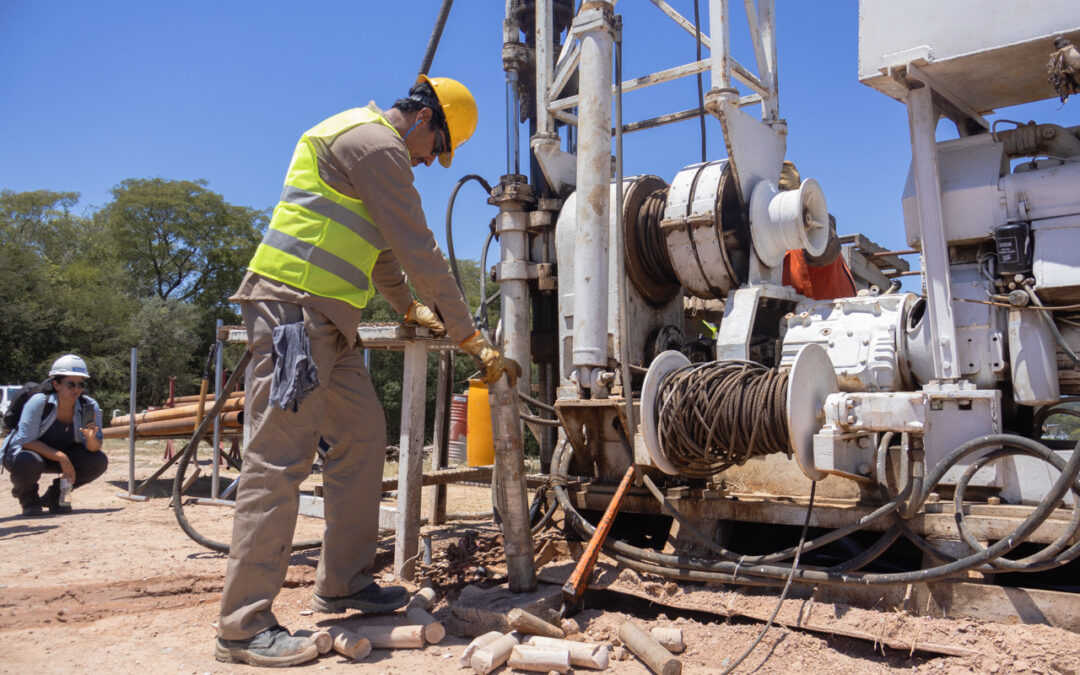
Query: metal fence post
132	409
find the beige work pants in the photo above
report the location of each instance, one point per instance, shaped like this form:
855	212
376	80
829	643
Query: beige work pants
281	447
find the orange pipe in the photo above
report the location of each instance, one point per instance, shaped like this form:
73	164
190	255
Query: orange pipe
209	397
172	413
181	426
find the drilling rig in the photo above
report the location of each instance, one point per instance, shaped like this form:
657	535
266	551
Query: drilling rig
904	426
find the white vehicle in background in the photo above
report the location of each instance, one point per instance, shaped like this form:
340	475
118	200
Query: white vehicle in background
7	394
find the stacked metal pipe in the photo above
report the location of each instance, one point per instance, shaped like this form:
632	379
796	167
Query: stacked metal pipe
179	420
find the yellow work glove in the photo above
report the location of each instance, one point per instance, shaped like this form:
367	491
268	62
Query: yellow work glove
421	314
789	176
493	363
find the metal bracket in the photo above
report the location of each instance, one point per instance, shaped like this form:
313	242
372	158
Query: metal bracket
952	105
598	17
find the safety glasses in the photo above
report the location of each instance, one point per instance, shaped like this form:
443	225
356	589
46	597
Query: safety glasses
440	142
71	384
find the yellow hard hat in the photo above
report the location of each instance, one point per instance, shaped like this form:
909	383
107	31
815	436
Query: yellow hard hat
459	107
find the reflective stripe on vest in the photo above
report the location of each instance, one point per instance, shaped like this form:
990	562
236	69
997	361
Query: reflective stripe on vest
320	240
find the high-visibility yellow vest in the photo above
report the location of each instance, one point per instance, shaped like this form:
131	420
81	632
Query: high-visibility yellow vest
319	240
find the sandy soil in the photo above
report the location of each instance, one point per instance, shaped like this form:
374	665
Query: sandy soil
117	586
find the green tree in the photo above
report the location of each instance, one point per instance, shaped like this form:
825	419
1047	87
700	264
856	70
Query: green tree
179	241
153	269
52	281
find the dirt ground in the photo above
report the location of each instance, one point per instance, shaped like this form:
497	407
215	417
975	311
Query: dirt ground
117	586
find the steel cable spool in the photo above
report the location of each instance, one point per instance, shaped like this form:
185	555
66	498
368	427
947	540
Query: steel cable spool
648	263
716	415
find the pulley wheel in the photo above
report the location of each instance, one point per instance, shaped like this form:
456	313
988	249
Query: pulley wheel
810	382
659	369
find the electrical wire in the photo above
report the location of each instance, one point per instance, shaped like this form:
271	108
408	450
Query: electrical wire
783	593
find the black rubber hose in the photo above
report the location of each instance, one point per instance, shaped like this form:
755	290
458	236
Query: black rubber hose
1046	412
189	529
482	310
708	570
450	225
1046	558
539	517
436	35
1022	444
189	452
886	509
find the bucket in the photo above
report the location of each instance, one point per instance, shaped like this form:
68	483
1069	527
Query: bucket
459	424
479	447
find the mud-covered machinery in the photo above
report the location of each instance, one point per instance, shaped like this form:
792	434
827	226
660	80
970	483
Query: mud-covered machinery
880	408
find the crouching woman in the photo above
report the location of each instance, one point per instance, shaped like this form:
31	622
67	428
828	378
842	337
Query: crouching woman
59	431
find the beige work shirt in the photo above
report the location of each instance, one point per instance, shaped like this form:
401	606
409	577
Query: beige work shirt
370	162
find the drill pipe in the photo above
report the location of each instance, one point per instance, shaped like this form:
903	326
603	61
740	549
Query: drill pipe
193	398
176	427
233	404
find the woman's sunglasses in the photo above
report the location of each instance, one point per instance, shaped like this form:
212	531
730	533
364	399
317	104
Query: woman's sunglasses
71	384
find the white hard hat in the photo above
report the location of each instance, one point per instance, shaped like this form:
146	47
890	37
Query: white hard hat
69	364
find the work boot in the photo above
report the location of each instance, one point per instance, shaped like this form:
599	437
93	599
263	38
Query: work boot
31	506
30	502
274	648
51	499
372	599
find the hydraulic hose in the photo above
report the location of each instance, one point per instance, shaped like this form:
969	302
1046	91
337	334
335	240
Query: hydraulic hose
698	569
450	226
1049	555
189	452
436	35
482	310
1058	408
189	529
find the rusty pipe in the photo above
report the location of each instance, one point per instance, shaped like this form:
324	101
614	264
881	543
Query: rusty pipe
234	403
209	397
181	426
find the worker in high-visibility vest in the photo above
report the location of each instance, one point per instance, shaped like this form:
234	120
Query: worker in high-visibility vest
349	223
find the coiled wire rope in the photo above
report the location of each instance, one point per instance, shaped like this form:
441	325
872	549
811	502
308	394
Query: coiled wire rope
720	414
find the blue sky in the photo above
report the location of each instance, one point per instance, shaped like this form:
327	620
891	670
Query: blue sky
94	93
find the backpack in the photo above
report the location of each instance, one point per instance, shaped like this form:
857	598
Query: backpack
15	408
